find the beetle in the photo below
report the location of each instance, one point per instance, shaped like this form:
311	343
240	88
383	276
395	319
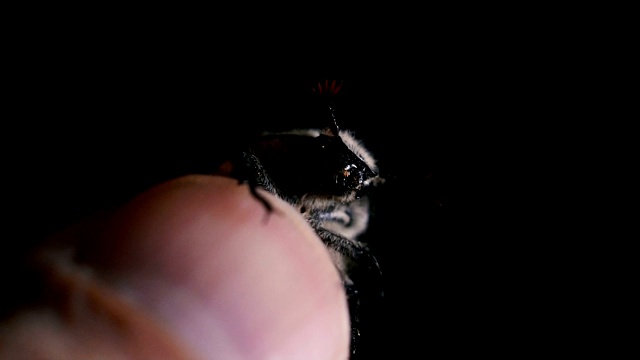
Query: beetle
326	175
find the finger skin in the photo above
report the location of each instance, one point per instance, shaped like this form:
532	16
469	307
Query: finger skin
198	255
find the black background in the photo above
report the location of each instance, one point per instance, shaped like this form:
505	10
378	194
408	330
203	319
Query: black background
447	122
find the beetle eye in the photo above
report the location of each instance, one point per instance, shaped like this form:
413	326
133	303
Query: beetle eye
349	177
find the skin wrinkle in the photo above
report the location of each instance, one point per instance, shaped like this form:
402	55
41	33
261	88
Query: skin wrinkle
86	319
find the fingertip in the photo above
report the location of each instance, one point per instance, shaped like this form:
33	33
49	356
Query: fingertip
197	253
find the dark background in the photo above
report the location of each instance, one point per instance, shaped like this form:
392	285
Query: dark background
93	128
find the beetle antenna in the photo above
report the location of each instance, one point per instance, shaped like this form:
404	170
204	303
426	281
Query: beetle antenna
328	90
